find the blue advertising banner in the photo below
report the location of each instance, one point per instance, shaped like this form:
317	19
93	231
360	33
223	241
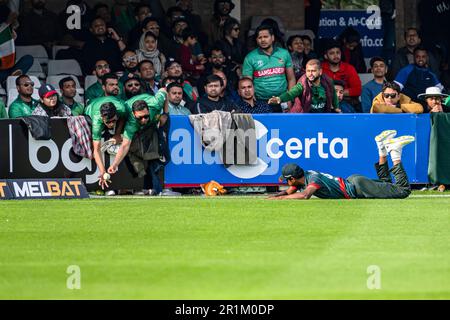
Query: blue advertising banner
366	22
339	144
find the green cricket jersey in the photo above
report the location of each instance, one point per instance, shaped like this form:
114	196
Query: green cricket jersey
76	108
20	108
329	187
93	111
3	113
268	72
155	104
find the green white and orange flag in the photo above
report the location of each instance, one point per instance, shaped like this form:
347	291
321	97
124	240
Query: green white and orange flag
7	49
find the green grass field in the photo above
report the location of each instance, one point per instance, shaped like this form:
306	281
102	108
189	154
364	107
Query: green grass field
225	248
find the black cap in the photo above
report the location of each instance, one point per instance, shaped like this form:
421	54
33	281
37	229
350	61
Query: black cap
169	62
291	170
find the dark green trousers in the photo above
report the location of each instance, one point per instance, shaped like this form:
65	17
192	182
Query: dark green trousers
383	188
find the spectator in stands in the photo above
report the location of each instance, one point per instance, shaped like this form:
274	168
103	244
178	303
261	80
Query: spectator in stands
434	98
391	100
68	89
269	66
151	24
147	74
177	105
344	107
50	105
415	78
94	91
405	55
103	42
130	63
312	15
192	67
352	49
141	12
194	20
9	67
3	113
315	92
141	116
102	10
373	88
132	86
297	51
175	72
231	46
176	39
279	36
39	26
228	92
106	112
212	100
218	62
336	69
148	50
172	14
24	105
222	10
248	102
123	17
308	47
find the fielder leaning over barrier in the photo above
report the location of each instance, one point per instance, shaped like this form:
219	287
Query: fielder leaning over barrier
356	186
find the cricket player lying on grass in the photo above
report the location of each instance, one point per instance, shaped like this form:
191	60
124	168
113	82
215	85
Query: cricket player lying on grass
356	186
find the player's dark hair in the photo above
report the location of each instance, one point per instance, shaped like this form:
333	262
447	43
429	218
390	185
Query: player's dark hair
139	105
108	110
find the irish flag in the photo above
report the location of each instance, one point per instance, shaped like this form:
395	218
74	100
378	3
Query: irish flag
7	50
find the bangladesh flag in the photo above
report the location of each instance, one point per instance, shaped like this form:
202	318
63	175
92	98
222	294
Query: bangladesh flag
7	50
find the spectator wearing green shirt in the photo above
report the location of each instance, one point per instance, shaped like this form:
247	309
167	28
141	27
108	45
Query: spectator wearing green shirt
269	66
141	115
94	91
68	88
24	105
109	119
315	91
3	113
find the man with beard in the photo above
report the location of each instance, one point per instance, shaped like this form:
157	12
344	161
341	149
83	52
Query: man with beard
336	69
96	90
174	71
212	100
217	62
147	74
39	26
130	64
315	92
102	42
68	89
222	10
415	78
269	66
24	105
113	118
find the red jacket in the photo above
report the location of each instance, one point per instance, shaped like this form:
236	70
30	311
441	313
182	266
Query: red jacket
346	73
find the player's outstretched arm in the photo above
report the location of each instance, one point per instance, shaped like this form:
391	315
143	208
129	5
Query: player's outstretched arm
304	195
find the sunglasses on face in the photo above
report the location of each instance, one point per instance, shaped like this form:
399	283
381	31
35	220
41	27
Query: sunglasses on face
143	117
236	29
111	120
219	56
390	95
27	84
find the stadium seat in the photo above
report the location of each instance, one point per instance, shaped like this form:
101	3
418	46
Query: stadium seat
367	61
365	77
55	50
2	91
13	94
11	82
36	70
69	66
89	81
54	81
37	52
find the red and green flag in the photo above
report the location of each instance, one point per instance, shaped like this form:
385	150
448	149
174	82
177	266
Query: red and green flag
7	49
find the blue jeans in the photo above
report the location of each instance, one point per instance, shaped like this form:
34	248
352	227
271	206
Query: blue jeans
152	173
24	64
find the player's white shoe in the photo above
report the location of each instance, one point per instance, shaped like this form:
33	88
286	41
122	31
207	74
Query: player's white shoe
396	144
386	134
